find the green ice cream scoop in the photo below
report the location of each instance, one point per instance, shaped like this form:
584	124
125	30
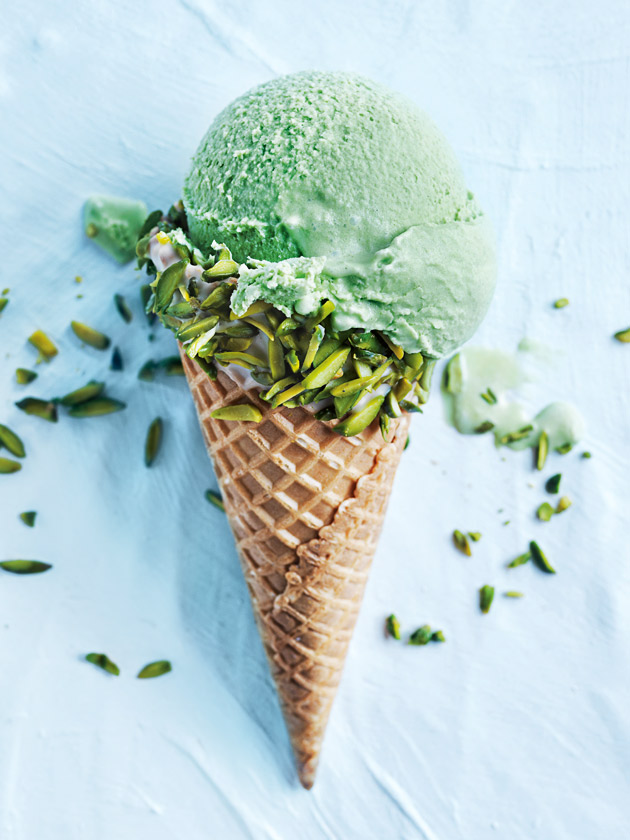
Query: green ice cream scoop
336	167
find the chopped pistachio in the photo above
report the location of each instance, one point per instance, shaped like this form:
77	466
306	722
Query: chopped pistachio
564	449
153	441
38	408
545	512
486	596
293	361
438	636
460	541
421	636
147	371
46	347
623	336
3	303
561	303
117	360
221	270
512	593
25	567
149	223
563	504
193	329
323	373
486	426
360	420
147	297
513	437
313	346
123	308
539	558
407	442
23	376
475	536
172	366
8	466
520	560
587	455
154	669
81	395
215	499
552	484
97	407
102	661
384	421
11	441
246	360
489	396
392	626
543	450
28	517
238	412
88	335
167	283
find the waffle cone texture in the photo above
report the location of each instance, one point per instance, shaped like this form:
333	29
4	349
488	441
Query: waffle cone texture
306	507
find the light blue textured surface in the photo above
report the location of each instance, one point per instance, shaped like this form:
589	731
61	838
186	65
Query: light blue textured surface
518	726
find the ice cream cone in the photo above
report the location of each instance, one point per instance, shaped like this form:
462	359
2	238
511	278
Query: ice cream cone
306	507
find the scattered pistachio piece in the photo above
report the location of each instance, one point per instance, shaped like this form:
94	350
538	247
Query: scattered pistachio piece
513	437
3	303
421	636
25	567
238	412
520	560
28	517
172	366
146	296
543	450
81	395
88	335
564	449
407	442
563	504
484	427
438	636
23	376
623	336
123	308
8	466
44	409
150	222
512	593
486	596
46	347
117	360
11	441
545	512
102	661
215	499
392	627
587	455
97	407
561	303
147	371
552	484
489	396
475	536
460	541
539	558
153	441
6	291
155	669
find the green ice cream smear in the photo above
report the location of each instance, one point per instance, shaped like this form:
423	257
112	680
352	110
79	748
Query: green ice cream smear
277	323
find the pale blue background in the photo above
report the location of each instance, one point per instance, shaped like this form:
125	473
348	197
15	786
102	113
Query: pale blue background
517	727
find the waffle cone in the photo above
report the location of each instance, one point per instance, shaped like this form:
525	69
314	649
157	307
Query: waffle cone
306	507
